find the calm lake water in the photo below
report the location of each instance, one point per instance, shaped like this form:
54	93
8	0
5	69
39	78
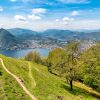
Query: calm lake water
22	53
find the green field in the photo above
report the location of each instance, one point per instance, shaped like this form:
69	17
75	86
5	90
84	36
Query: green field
42	84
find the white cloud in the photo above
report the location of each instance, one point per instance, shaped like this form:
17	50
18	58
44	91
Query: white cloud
74	13
1	25
39	11
74	1
20	17
1	9
64	20
57	20
34	17
67	19
50	24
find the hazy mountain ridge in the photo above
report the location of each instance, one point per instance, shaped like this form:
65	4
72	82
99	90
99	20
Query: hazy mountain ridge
18	38
57	34
73	35
23	33
9	41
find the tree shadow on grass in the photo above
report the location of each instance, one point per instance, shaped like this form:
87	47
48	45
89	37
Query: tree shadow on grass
79	91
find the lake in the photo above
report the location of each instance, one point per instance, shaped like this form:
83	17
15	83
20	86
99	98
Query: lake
23	52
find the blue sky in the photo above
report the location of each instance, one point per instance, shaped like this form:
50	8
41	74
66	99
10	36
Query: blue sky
47	14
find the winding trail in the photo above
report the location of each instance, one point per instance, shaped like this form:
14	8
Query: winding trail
18	80
31	77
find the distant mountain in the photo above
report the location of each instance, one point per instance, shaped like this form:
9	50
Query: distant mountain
51	33
23	33
9	41
55	34
88	36
72	35
89	31
50	38
58	33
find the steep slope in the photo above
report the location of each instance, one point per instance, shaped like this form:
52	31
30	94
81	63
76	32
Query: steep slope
20	82
7	40
37	80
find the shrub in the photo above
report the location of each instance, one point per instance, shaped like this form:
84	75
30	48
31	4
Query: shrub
33	56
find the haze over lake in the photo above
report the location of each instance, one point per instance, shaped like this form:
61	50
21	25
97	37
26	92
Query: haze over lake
23	52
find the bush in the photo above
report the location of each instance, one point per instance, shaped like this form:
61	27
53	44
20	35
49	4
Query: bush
33	56
45	62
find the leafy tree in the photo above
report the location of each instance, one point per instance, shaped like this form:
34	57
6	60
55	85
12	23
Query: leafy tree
77	65
72	65
33	56
54	58
65	61
92	75
91	65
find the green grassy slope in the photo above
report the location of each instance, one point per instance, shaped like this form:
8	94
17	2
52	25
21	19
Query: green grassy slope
42	84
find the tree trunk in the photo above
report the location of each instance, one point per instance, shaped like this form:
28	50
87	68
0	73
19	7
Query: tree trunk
71	84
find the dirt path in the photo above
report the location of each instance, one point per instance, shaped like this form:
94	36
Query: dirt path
31	77
18	80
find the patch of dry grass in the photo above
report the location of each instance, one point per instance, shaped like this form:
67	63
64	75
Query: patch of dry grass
87	89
